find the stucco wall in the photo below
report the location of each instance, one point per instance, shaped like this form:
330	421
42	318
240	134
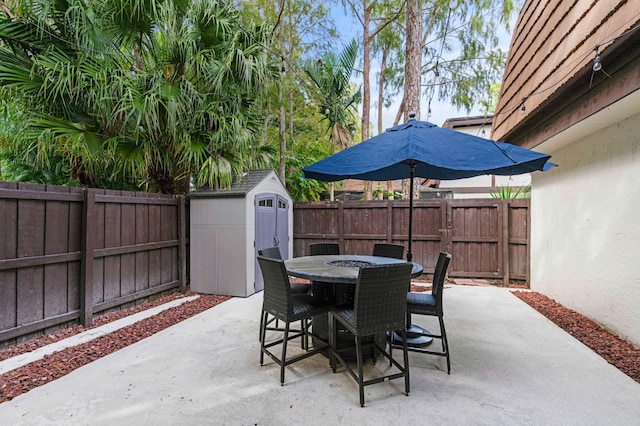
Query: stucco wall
585	247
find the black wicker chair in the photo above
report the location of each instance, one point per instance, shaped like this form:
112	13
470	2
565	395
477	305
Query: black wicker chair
380	305
274	253
431	304
323	289
388	250
281	303
318	249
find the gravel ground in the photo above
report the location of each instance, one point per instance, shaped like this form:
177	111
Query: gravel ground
616	351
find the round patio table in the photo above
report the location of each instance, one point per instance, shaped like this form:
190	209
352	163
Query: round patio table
342	269
333	278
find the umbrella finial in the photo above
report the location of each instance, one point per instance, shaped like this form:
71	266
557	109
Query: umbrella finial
412	115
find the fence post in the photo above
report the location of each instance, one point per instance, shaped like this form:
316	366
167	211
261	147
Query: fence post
182	244
505	243
86	268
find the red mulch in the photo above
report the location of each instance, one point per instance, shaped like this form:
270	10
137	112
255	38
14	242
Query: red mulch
56	365
616	351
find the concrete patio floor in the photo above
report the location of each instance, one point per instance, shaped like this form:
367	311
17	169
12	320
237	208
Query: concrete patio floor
510	365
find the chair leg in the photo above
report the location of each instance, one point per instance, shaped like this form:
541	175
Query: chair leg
332	342
390	340
405	351
261	324
284	353
304	326
445	344
263	331
360	370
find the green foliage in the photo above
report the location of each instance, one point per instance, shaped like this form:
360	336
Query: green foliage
139	91
337	99
308	146
380	193
510	193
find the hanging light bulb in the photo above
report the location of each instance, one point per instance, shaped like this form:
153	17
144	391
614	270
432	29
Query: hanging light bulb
597	64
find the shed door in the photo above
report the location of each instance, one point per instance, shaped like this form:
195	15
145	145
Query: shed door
272	228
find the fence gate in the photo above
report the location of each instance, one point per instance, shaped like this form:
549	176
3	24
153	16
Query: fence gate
473	237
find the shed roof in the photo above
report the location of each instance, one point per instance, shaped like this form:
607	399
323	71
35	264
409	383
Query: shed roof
549	68
239	187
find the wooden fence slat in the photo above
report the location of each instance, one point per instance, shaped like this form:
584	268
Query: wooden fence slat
142	237
182	245
87	265
506	272
56	241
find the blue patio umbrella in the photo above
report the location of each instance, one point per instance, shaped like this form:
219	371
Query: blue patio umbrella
422	149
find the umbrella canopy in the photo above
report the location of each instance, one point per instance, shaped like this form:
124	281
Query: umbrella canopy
435	152
422	149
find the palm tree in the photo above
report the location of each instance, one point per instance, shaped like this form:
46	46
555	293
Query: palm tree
156	91
338	100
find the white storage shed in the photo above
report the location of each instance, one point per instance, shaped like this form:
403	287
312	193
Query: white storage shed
228	227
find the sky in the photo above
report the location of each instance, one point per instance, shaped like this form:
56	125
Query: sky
440	111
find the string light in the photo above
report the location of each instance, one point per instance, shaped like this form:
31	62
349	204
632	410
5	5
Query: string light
597	63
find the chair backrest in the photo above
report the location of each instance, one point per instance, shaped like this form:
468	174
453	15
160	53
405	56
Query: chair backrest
318	249
271	252
388	250
438	278
380	302
277	299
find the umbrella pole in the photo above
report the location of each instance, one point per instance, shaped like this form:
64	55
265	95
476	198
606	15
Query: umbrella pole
411	176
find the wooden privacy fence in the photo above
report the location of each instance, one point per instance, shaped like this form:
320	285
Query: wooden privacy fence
487	238
69	253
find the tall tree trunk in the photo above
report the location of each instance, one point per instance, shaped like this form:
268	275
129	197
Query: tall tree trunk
383	66
289	88
366	85
413	64
282	124
413	60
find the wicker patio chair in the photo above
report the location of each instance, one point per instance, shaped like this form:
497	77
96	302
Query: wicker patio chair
431	304
274	253
281	303
323	289
388	250
317	249
380	305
